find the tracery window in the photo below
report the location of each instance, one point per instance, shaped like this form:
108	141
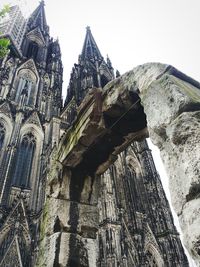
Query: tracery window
131	191
26	84
2	135
24	161
150	260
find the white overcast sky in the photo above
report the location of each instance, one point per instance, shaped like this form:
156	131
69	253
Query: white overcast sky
131	32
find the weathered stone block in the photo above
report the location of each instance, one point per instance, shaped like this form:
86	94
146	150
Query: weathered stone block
165	99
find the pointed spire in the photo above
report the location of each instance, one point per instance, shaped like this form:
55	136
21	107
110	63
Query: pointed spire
117	74
38	18
90	49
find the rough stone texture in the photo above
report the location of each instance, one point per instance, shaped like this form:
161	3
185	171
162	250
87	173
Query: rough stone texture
180	154
171	106
171	103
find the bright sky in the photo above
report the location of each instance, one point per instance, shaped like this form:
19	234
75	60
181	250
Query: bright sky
131	32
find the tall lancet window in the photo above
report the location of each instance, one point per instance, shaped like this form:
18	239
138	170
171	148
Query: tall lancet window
26	80
150	260
2	135
24	84
24	161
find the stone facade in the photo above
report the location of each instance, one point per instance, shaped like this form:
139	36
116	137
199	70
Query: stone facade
30	104
105	204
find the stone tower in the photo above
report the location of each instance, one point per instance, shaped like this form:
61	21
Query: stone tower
91	71
30	104
134	227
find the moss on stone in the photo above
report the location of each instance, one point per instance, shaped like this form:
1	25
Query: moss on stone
192	92
43	229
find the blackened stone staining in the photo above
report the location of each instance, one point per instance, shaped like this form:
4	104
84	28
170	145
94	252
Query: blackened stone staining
78	254
73	216
76	188
197	247
194	192
57	225
57	252
91	188
77	183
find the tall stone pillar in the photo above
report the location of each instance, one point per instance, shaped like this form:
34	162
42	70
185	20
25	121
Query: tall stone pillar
172	106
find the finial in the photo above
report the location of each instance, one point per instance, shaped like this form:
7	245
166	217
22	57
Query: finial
42	3
117	74
88	28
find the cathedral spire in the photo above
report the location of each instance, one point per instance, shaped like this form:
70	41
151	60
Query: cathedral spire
90	72
38	17
90	48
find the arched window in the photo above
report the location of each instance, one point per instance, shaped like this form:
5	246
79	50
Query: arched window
130	189
150	260
2	135
25	84
26	81
24	161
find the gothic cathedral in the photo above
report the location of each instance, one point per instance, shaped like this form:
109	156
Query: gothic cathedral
135	226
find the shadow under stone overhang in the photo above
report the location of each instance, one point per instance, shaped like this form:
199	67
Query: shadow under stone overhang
110	118
105	125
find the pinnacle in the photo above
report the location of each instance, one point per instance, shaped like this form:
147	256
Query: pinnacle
42	2
88	28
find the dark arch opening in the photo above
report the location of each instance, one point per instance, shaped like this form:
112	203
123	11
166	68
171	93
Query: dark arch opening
24	161
32	51
2	135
